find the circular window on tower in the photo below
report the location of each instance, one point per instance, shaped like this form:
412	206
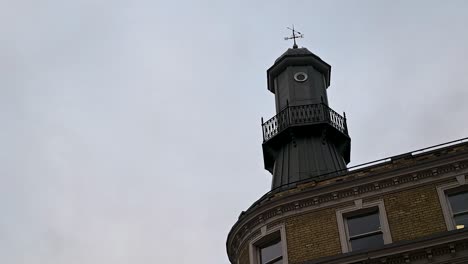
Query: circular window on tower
300	77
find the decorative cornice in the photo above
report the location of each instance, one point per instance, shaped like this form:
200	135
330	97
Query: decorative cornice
395	176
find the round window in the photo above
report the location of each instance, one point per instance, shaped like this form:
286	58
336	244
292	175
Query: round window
300	77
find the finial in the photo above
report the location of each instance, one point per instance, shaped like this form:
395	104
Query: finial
295	34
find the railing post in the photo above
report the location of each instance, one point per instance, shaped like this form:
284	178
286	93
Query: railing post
345	125
326	113
288	118
263	130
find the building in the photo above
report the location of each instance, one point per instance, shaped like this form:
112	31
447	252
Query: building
411	208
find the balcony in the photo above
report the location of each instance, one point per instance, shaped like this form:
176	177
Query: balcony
303	115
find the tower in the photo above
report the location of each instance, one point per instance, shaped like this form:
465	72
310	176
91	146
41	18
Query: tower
409	208
306	139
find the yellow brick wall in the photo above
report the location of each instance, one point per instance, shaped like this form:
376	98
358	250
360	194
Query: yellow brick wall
414	213
312	235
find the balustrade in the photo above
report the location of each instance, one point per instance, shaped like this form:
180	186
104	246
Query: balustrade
303	115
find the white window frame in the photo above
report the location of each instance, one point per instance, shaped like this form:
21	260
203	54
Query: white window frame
254	246
442	191
358	207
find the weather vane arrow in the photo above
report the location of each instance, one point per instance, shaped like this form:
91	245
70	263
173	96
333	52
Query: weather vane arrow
295	35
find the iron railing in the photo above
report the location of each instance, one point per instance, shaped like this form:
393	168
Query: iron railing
303	115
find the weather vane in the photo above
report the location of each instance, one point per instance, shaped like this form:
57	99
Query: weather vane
295	34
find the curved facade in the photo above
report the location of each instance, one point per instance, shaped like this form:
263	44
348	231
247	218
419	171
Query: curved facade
410	197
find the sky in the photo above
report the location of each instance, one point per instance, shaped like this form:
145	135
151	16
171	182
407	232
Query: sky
131	129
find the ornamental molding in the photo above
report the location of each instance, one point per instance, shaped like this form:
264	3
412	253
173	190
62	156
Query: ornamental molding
309	197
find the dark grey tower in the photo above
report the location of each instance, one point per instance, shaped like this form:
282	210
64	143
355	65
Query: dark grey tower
306	139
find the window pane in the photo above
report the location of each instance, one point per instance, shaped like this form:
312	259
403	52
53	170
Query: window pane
459	202
363	223
367	242
461	221
271	252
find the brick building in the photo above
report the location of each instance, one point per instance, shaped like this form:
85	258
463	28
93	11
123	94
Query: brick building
411	208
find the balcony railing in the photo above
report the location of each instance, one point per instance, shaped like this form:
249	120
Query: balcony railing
303	115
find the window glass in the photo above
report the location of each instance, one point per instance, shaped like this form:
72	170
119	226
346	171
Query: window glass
461	221
362	224
364	230
459	202
367	242
271	252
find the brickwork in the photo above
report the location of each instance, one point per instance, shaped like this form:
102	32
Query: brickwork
414	213
312	235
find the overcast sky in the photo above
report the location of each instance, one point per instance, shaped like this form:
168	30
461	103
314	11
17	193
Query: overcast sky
131	129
